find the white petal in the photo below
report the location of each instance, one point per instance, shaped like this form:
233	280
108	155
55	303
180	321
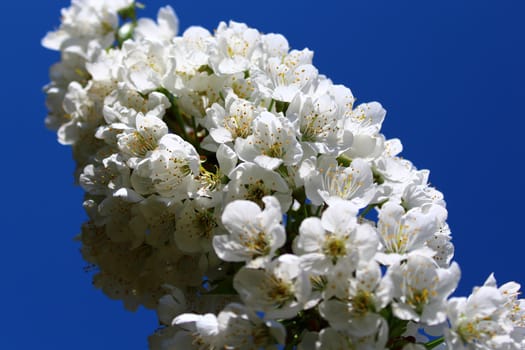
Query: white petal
237	213
311	236
227	159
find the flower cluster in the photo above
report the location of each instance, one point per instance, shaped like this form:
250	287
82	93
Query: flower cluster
244	196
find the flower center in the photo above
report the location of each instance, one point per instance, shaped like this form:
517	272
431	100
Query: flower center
279	291
274	151
256	191
259	245
340	183
238	123
334	247
397	242
419	298
315	126
362	303
261	336
205	221
469	332
140	145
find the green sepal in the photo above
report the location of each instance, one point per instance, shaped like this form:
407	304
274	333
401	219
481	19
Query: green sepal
281	106
343	160
205	68
129	13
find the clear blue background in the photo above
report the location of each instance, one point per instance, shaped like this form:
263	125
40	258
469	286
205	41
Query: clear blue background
450	74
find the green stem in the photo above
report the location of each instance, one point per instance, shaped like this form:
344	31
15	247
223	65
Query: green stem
305	211
174	111
432	344
271	105
178	117
319	209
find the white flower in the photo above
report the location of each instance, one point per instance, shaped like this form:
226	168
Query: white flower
196	93
285	77
148	65
332	339
196	225
364	122
288	163
168	169
485	320
394	171
192	51
115	214
253	232
327	182
357	311
272	143
104	65
86	22
418	192
231	121
420	289
137	142
335	239
252	182
279	290
154	221
165	29
83	107
401	181
402	233
71	68
79	106
242	329
227	159
235	327
105	177
274	45
516	307
320	120
212	183
236	44
199	332
123	104
441	244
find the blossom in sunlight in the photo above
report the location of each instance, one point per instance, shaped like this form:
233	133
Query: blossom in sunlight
240	193
253	232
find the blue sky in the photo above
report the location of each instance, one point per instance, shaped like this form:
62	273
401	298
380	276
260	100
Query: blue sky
450	73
